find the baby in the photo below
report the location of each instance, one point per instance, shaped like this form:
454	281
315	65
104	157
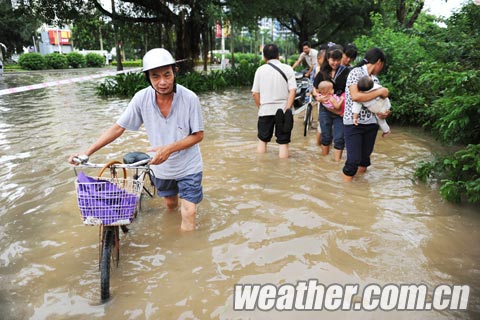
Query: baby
328	98
377	105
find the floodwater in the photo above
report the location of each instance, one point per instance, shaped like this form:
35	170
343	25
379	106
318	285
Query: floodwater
262	221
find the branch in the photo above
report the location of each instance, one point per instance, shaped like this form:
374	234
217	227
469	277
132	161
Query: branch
161	11
415	15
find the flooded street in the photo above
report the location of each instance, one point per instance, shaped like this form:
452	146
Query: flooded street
262	220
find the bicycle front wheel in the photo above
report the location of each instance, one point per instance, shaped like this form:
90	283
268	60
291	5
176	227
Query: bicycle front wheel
307	120
105	262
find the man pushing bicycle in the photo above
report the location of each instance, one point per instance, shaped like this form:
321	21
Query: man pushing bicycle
172	117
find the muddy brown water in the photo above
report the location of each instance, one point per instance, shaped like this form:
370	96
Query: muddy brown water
263	220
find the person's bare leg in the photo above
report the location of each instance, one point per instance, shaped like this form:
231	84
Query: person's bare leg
188	210
337	154
361	169
261	146
171	202
346	178
325	150
283	151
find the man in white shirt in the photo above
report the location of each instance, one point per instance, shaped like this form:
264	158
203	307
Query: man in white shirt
310	57
273	91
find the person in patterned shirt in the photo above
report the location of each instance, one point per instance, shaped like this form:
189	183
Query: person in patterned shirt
360	139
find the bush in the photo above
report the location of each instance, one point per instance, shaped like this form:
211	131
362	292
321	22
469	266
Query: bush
75	60
407	59
453	115
459	174
56	61
126	85
122	85
94	60
32	61
129	63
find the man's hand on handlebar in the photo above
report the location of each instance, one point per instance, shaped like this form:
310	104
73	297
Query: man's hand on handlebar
77	159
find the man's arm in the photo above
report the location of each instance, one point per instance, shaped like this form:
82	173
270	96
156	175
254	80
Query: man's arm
299	60
256	98
291	98
162	153
310	70
108	136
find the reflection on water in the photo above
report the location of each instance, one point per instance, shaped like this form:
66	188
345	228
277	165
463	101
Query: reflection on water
263	220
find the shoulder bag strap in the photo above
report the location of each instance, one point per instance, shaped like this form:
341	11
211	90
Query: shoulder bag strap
279	70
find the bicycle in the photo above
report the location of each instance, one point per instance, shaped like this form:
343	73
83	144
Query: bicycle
112	203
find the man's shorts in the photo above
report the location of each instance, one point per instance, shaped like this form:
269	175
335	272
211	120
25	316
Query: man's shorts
188	187
282	123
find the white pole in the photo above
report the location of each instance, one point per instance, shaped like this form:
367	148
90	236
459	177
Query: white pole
59	45
58	34
223	51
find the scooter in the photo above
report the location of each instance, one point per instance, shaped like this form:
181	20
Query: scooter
303	87
303	101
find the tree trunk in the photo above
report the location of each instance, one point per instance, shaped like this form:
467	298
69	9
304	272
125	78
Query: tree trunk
117	45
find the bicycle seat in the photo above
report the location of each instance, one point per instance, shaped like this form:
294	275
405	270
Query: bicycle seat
133	157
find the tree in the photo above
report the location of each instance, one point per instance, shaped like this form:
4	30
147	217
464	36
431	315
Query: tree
17	27
189	18
323	21
88	30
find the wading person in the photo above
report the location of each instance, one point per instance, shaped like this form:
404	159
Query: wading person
310	57
330	119
172	117
360	139
273	91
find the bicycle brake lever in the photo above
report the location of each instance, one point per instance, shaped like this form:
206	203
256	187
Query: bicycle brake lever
82	159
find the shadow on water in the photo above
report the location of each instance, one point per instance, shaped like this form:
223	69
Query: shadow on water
263	220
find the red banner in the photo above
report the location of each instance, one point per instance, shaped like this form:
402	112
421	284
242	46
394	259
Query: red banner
218	30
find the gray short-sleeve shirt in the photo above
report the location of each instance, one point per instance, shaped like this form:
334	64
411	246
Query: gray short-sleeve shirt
185	118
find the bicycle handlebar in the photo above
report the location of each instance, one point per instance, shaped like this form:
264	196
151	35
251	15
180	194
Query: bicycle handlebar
82	162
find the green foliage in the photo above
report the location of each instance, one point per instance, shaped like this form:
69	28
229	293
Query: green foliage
17	26
122	85
56	61
32	61
76	60
126	85
86	30
11	67
249	57
463	37
405	53
453	115
459	174
129	63
94	60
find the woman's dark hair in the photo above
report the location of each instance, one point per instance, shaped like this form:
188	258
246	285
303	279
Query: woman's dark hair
270	51
334	52
350	50
372	56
